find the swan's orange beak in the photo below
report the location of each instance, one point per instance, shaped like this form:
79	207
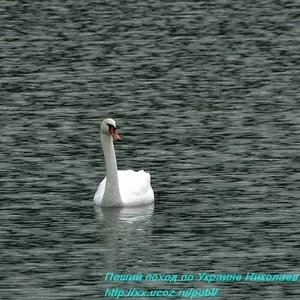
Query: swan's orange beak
114	134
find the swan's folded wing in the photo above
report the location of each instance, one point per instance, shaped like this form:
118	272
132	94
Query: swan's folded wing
100	192
135	187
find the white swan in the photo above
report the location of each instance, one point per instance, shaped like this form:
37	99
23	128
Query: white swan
120	188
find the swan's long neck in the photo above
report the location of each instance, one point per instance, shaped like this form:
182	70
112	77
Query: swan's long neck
112	193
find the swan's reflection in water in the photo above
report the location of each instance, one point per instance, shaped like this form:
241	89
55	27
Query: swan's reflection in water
114	216
125	231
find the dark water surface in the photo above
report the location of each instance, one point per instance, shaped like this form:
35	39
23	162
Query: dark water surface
206	98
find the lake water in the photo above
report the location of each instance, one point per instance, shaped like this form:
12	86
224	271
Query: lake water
206	99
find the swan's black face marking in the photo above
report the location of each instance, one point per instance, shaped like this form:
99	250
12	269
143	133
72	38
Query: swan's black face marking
111	126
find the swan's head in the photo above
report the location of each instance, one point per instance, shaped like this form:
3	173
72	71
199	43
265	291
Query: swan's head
108	126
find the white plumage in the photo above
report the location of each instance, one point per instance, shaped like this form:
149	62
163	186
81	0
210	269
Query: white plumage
120	188
134	187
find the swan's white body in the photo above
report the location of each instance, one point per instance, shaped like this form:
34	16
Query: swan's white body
120	188
134	188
